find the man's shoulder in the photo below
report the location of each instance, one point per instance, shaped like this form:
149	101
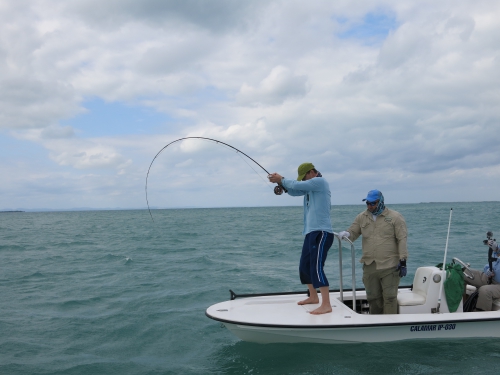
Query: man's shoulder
362	214
393	213
321	181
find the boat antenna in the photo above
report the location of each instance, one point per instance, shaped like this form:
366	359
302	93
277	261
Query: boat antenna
444	265
277	190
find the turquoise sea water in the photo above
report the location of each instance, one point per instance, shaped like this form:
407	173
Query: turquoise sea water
112	292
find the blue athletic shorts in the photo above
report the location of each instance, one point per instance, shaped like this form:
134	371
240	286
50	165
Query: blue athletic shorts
312	260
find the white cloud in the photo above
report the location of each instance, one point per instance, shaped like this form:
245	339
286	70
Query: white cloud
57	132
93	157
67	150
217	16
274	89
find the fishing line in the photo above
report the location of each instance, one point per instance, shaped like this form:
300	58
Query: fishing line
246	162
278	190
253	169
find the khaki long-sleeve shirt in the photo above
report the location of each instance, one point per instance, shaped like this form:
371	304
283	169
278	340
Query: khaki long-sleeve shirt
384	240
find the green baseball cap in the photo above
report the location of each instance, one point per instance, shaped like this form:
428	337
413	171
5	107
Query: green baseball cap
303	169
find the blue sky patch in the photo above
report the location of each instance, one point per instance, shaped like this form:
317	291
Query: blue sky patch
20	149
115	118
372	29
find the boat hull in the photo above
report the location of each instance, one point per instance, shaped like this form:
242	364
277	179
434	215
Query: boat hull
353	335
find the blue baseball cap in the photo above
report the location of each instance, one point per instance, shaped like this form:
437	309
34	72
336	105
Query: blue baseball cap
373	195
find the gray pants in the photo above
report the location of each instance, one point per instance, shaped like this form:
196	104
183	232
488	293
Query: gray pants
381	289
486	292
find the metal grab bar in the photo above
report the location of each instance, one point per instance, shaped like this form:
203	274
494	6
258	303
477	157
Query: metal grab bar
353	261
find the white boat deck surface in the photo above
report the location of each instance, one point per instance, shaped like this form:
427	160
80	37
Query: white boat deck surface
283	310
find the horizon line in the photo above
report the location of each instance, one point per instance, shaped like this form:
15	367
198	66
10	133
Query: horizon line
77	209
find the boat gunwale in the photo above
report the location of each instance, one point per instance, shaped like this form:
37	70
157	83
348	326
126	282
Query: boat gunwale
362	325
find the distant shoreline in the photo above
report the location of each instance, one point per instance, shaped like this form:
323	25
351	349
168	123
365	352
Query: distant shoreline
336	206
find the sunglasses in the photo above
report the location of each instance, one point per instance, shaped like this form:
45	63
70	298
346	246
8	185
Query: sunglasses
371	203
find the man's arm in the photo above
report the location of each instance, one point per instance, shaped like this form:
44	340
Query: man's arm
295	193
355	229
401	233
314	184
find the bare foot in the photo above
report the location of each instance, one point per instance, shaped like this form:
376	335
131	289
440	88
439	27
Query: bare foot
309	301
321	310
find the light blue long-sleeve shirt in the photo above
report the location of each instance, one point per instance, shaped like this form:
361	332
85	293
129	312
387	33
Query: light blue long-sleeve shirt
496	268
317	202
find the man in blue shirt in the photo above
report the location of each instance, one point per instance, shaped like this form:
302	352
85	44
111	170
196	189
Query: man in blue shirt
317	230
488	281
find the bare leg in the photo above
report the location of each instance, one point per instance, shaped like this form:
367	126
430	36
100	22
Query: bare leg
313	296
325	307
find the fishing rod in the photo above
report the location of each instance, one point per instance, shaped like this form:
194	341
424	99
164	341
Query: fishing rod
278	190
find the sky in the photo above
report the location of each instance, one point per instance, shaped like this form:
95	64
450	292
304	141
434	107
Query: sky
400	96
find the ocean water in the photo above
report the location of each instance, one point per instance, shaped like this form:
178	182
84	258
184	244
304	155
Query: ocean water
112	292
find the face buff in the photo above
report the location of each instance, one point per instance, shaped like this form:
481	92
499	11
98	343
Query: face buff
380	206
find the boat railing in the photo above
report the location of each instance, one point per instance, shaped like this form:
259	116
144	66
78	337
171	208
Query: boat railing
353	261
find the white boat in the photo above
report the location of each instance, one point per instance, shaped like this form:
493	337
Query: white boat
423	314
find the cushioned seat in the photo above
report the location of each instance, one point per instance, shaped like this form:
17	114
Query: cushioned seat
421	282
410	299
425	295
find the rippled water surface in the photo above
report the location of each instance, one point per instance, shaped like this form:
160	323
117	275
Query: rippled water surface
112	292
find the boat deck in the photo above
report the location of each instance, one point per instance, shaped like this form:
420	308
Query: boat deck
283	311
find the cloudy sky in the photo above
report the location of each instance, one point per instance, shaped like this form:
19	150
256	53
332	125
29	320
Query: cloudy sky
403	96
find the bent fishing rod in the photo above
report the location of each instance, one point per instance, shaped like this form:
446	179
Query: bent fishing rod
278	190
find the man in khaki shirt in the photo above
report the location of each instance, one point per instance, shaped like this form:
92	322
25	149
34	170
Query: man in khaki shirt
384	249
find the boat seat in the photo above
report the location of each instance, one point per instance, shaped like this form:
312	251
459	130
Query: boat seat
424	296
411	299
421	282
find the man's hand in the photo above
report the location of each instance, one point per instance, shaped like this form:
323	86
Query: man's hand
402	268
344	234
490	273
275	178
493	245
